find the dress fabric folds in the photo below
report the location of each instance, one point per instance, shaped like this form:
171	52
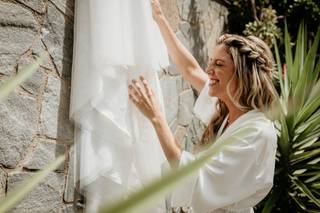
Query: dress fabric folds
117	150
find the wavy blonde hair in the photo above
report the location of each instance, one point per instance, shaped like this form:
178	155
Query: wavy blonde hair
254	72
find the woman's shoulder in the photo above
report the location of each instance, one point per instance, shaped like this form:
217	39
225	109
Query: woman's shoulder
264	127
257	126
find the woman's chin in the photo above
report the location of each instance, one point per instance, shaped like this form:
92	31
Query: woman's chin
212	93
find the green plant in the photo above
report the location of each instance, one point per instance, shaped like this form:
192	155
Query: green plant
265	27
21	190
147	196
297	178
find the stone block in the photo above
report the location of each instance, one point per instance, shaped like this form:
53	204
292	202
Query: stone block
58	38
36	5
46	197
55	121
15	15
35	82
66	6
3	183
18	126
186	101
7	63
171	96
44	154
69	189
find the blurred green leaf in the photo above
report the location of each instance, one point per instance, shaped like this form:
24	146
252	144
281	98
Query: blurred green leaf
147	196
9	85
22	189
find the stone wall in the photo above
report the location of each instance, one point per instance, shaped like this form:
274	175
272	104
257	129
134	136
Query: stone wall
34	125
197	24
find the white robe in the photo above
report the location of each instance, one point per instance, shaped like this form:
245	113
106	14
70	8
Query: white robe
237	178
117	149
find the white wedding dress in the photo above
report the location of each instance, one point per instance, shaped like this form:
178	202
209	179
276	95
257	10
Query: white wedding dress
117	150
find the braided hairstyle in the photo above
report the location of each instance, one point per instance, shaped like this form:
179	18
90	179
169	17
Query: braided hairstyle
254	71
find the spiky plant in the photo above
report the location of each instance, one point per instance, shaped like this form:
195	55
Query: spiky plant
297	178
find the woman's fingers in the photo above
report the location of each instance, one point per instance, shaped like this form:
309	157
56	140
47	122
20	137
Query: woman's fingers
146	87
138	92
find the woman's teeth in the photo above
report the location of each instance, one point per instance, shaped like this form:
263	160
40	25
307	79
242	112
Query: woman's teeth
213	81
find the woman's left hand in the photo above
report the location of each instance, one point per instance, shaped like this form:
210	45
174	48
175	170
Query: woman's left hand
143	97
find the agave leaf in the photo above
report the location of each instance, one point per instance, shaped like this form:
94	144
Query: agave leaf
288	57
279	68
270	203
303	188
302	206
304	85
304	138
306	166
309	108
304	156
315	177
22	189
14	81
146	197
284	138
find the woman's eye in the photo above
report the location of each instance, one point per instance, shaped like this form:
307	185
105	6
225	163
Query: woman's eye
218	65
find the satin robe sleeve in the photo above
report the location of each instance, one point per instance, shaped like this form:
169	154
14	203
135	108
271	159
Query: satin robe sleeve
205	105
237	178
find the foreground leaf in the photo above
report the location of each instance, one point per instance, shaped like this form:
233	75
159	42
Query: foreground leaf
22	189
149	195
7	87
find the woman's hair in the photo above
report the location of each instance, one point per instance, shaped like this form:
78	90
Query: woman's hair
254	71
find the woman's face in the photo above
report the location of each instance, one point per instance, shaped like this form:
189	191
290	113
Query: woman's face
220	71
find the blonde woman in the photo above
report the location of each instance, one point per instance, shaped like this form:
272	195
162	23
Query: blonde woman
239	75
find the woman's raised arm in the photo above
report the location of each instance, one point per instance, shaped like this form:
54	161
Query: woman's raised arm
181	57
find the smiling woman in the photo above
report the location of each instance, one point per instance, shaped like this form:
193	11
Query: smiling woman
239	78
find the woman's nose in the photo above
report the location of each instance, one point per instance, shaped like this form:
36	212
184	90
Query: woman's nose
209	70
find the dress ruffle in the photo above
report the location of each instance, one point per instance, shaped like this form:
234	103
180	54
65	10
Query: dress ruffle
118	150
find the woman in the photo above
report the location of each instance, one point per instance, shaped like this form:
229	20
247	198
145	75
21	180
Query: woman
239	74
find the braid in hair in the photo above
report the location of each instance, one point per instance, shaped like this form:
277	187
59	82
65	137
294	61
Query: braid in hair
254	69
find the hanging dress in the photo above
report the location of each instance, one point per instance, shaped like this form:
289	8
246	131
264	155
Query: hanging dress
117	150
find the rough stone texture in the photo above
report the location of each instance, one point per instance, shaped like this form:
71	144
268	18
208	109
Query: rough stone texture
34	120
186	101
180	134
15	23
45	153
194	133
19	114
46	197
36	5
3	183
58	38
55	110
39	108
69	209
11	42
66	6
171	97
16	16
171	11
7	63
69	188
35	82
39	50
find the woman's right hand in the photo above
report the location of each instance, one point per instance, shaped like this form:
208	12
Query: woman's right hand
157	13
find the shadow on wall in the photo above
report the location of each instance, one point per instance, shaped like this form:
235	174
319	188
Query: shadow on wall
195	23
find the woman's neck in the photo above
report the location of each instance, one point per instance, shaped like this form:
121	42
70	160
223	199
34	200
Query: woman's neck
234	112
